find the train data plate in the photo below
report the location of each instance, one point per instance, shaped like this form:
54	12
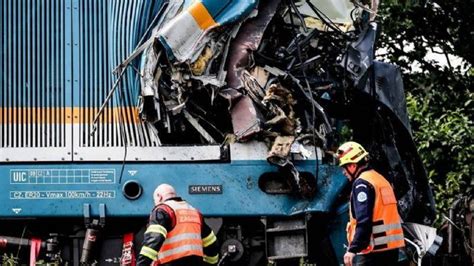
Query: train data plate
62	176
60	195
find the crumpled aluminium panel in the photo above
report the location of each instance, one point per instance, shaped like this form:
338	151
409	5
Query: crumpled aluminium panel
185	36
247	40
380	122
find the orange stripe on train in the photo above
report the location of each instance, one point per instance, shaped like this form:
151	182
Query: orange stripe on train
66	115
202	16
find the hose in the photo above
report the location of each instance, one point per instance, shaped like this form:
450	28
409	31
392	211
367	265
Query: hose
226	254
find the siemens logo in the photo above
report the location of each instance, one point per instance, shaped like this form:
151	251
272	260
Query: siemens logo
205	189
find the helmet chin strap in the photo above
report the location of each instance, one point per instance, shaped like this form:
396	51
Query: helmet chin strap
352	175
358	170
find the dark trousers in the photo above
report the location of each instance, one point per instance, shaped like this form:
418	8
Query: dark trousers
186	261
384	258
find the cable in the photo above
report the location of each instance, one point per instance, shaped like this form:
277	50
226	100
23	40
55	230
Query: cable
313	108
139	48
21	240
451	222
222	259
106	101
152	23
122	131
298	14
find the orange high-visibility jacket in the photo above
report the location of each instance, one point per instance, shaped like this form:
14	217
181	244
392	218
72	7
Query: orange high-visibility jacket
387	230
185	238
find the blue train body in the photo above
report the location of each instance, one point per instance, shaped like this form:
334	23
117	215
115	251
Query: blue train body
60	190
49	192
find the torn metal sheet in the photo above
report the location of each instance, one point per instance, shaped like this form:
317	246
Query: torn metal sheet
398	154
279	155
194	122
280	151
260	75
248	40
246	119
214	59
325	127
185	35
253	88
280	102
303	183
150	71
389	90
298	148
230	95
360	54
379	121
149	108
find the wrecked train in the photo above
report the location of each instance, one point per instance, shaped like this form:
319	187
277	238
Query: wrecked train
238	104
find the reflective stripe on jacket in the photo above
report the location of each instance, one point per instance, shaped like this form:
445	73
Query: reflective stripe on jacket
387	231
185	238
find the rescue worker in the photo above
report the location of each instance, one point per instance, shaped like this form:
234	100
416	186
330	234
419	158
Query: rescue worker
374	231
177	233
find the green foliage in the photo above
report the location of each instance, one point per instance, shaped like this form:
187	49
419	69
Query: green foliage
445	145
439	96
9	260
